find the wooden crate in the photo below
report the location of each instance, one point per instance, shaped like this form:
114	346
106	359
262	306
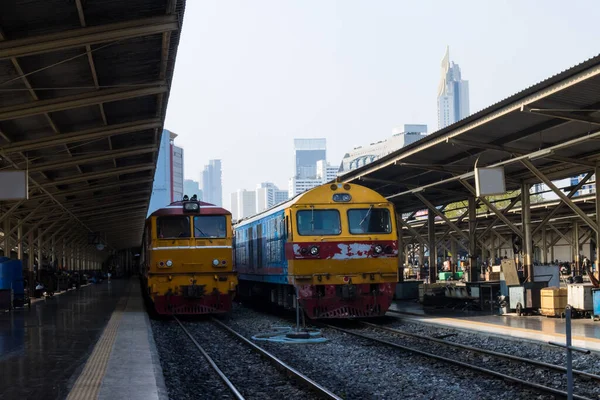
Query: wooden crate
554	301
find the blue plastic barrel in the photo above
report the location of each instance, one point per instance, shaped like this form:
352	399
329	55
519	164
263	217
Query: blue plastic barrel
11	276
596	302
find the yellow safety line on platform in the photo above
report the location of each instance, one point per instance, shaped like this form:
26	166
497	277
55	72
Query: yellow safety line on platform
88	384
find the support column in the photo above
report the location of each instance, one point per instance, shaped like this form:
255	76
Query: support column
597	171
53	252
454	267
39	252
493	250
544	246
552	248
20	242
472	240
400	255
576	248
528	244
30	256
7	243
432	248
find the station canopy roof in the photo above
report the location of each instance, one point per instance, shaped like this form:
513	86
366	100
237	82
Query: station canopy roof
83	94
551	128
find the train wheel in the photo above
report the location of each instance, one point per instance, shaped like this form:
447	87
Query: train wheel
519	309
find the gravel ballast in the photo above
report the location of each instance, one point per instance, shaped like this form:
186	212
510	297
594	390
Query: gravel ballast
352	367
539	375
528	349
253	375
187	373
355	368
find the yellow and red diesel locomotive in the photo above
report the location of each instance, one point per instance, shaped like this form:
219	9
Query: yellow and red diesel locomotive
334	247
186	259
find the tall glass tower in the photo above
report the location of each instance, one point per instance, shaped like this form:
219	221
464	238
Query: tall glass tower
306	154
453	94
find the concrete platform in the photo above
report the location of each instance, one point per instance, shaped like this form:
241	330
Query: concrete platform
91	343
586	333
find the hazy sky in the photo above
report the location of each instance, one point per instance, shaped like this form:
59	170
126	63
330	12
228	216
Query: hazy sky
251	75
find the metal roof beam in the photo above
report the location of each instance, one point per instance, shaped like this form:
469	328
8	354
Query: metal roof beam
130	207
99	175
550	156
591	223
559	205
108	215
566	115
86	159
107	196
92	207
90	35
117	184
80	136
80	100
498	213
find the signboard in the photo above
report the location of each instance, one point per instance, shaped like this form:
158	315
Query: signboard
489	181
13	185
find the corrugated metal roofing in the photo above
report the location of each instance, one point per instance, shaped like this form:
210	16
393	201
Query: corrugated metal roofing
84	87
494	135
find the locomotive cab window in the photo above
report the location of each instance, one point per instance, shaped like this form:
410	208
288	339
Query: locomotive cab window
210	226
369	220
318	222
173	227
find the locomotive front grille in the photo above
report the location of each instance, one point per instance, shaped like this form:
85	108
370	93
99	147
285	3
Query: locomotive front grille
348	291
193	291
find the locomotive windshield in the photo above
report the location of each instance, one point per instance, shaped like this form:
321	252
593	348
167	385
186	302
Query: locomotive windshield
173	227
369	220
210	226
318	222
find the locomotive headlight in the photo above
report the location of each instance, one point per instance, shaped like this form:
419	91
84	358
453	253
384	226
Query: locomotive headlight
314	250
215	262
169	263
378	249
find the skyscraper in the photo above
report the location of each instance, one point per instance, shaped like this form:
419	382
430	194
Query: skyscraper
176	170
325	171
453	94
306	154
168	176
191	187
267	195
212	189
243	204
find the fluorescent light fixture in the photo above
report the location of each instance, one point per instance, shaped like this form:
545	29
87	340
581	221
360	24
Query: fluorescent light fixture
540	154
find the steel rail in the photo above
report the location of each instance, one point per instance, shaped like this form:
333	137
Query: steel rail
303	379
500	375
224	378
483	351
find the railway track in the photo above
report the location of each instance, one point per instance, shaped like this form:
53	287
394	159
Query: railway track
503	364
248	371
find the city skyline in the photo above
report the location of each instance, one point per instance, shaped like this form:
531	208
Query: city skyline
371	76
211	183
168	175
